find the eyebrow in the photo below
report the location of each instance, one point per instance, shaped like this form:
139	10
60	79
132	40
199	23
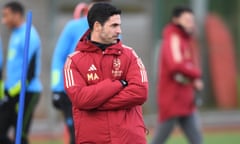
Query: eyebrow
116	24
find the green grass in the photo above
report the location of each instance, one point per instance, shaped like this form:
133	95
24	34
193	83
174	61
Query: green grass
209	138
48	142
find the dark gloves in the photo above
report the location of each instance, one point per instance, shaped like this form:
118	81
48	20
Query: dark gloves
7	101
4	101
60	100
124	83
56	99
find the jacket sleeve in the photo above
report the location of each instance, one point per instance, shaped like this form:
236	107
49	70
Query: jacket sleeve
34	56
1	81
34	48
83	96
59	57
137	90
1	58
173	56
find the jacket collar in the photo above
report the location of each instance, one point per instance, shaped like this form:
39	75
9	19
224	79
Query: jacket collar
85	45
173	28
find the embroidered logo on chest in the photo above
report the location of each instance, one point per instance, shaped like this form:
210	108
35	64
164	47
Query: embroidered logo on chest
92	75
116	72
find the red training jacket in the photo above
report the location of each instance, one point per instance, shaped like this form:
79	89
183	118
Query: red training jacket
104	112
175	99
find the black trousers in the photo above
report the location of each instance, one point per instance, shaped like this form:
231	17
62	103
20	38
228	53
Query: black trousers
65	106
9	113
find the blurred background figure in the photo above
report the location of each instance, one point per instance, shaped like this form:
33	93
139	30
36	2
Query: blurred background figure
178	78
13	18
66	45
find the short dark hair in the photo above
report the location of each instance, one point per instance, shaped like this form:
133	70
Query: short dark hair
179	10
101	12
15	7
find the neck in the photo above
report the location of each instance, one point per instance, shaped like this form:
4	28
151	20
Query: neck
19	23
182	30
95	37
96	41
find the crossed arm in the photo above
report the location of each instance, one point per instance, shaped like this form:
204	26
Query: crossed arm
175	60
107	94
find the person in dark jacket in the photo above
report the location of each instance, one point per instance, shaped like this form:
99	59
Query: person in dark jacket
179	77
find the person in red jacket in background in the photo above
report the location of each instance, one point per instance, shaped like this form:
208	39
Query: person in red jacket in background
106	82
179	77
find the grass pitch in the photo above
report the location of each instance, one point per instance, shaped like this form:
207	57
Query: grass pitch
218	137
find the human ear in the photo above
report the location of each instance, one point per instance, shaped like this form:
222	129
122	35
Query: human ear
97	26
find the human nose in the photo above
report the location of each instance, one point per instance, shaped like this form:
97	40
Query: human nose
119	30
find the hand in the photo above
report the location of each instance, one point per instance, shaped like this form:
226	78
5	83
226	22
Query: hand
60	100
4	100
180	78
7	102
198	84
56	100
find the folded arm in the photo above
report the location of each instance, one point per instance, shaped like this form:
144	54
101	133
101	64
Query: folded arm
135	93
175	60
87	97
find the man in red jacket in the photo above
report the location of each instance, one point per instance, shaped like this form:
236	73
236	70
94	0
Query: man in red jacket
106	83
178	78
